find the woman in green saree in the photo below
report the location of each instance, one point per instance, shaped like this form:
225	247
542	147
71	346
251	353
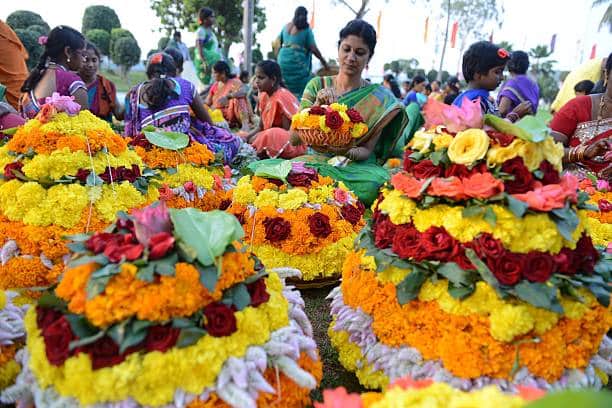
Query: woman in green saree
207	50
359	167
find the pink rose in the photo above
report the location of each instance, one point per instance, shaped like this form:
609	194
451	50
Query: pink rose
341	195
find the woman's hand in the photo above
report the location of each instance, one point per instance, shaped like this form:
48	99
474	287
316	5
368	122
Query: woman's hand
523	108
597	149
606	173
326	96
294	138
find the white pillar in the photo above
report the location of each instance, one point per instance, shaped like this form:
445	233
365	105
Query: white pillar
247	30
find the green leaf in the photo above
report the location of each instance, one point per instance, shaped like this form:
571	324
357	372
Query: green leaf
416	156
472	211
529	128
208	233
95	286
208	276
107	270
167	265
455	274
80	326
436	157
566	220
539	295
10	131
408	289
460	292
85	340
93	180
186	252
167	140
490	217
539	174
50	301
239	296
482	268
146	273
276	170
181	323
171	170
574	398
518	207
135	335
78	247
99	259
189	336
77	237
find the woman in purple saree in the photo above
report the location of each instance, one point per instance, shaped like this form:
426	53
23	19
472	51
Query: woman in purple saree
519	87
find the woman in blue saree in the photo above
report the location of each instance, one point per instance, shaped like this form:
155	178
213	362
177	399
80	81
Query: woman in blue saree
359	167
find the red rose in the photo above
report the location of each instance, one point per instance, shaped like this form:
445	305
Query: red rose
586	256
486	246
108	174
189	187
564	261
46	316
125	224
319	225
354	115
116	252
141	140
407	243
425	169
161	338
550	174
82	175
258	292
220	320
57	337
301	179
100	240
317	110
462	260
274	181
384	231
124	174
523	179
225	204
457	170
351	214
438	244
507	268
408	163
502	139
104	353
277	229
604	205
160	244
333	120
539	267
8	170
360	207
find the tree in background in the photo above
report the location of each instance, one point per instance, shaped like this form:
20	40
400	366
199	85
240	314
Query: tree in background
29	26
506	45
177	14
100	17
606	19
544	72
101	39
118	33
125	52
163	43
358	10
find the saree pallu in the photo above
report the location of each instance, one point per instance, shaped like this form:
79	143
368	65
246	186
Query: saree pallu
238	112
102	97
295	59
273	141
376	105
211	53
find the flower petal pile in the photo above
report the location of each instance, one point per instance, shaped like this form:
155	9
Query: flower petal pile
160	311
305	221
477	268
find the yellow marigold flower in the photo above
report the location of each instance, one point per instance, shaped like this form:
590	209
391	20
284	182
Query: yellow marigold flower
359	129
421	141
510	321
320	195
392	274
338	107
244	193
63	203
399	208
266	197
201	177
120	197
468	146
293	199
442	141
322	125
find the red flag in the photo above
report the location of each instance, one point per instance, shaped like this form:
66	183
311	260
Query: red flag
312	16
593	51
426	30
454	34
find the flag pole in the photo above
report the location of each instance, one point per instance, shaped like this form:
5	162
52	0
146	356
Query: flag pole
448	9
247	21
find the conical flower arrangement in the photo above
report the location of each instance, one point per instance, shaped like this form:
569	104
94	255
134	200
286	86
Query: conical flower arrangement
160	311
477	267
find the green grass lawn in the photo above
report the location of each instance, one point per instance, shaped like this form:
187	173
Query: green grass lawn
124	84
334	375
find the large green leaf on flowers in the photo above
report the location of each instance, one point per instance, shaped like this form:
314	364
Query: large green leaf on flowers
167	140
272	169
574	399
528	128
208	233
538	295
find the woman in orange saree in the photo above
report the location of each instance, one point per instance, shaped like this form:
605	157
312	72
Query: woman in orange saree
276	106
228	94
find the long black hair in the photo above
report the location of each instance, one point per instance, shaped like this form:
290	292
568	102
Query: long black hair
160	67
59	38
361	29
177	56
91	46
300	18
204	13
394	86
223	67
272	70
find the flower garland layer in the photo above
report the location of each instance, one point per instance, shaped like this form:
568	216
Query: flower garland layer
509	229
600	232
83	132
568	344
335	117
170	296
325	263
192	368
377	364
160	158
64	204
